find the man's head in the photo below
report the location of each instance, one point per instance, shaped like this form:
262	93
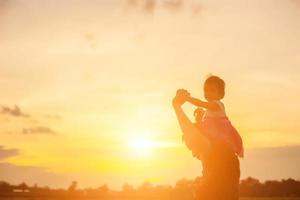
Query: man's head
198	114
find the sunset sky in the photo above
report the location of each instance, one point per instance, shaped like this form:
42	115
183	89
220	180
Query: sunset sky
86	87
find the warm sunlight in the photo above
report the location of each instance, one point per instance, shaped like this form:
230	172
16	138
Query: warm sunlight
142	146
97	98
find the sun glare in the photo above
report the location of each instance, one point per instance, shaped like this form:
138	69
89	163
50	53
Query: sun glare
142	146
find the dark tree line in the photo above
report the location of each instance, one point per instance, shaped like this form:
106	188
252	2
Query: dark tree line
183	189
251	187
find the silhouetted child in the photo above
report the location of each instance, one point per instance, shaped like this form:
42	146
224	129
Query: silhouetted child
213	121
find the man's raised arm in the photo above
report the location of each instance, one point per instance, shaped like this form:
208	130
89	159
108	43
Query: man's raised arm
188	128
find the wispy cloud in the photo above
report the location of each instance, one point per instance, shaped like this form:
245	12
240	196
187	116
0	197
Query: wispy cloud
149	6
3	3
7	153
15	111
38	130
133	3
174	6
296	2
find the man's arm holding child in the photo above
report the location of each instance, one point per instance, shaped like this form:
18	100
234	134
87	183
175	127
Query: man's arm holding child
188	127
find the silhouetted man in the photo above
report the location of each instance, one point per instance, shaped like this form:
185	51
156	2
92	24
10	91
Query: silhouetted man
221	171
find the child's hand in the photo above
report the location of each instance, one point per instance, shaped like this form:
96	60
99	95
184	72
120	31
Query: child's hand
181	97
182	93
178	101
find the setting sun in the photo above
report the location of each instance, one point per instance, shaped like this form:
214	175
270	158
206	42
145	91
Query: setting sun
142	146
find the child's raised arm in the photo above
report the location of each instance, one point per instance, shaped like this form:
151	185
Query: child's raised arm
204	104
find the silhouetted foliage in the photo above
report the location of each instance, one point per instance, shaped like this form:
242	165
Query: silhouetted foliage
73	186
285	188
183	189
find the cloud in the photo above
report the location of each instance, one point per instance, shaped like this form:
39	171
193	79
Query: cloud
295	1
196	8
173	5
7	153
133	2
38	130
3	4
15	112
3	10
149	6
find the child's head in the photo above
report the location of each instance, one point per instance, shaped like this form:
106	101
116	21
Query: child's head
214	88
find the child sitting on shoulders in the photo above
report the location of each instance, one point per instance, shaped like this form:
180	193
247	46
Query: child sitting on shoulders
213	121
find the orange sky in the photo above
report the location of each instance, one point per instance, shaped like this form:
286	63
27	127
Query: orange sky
94	80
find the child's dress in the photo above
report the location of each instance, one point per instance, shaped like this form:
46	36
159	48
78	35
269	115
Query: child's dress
216	126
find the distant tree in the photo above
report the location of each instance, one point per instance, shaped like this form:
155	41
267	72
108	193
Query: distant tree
146	189
145	186
291	187
251	187
184	189
127	189
5	187
103	190
272	189
23	186
72	187
164	191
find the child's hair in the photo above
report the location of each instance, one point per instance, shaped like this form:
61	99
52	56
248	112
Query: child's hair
219	83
